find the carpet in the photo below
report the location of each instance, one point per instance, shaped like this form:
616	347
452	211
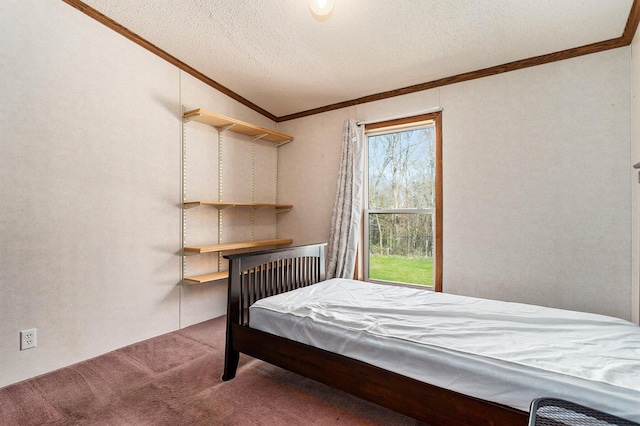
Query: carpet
174	379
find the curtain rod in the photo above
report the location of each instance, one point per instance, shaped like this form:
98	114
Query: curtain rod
427	111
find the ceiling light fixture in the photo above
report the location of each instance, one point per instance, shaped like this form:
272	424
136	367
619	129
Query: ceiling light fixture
321	8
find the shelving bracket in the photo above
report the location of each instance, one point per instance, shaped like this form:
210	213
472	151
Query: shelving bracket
223	129
279	144
190	118
256	137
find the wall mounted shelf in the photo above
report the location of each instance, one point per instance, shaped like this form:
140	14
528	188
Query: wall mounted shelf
235	246
221	122
200	279
222	275
221	205
255	133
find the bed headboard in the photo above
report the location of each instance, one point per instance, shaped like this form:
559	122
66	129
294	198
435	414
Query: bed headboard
253	276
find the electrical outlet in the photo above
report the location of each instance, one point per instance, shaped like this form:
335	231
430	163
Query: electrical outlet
27	339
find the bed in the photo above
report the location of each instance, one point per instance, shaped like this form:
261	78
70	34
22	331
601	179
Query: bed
470	384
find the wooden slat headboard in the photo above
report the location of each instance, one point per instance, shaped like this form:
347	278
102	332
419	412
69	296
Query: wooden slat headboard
253	276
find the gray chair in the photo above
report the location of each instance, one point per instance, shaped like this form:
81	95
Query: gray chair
558	412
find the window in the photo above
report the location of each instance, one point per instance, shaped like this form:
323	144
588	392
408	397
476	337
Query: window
403	201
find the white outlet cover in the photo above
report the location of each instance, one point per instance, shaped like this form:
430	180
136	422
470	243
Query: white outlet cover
27	339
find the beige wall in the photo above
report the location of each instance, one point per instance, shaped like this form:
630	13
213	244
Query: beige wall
635	174
90	183
537	196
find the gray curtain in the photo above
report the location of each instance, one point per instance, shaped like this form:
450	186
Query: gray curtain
347	207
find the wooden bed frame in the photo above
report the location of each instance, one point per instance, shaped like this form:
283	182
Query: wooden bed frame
253	276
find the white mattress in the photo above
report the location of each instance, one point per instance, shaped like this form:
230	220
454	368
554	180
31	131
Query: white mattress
509	353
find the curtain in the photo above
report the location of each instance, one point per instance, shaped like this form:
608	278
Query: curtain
347	207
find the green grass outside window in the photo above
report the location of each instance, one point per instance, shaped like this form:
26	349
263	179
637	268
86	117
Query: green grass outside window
410	270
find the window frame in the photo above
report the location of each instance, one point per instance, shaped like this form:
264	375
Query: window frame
398	125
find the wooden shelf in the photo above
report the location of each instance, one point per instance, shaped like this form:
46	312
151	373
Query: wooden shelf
221	122
199	279
220	205
235	246
222	275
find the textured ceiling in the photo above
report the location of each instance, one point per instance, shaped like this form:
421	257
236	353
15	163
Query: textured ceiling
276	55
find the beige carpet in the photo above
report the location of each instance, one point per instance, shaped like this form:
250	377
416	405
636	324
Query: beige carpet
174	379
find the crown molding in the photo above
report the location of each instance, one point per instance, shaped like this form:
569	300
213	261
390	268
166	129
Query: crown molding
624	40
472	75
105	20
